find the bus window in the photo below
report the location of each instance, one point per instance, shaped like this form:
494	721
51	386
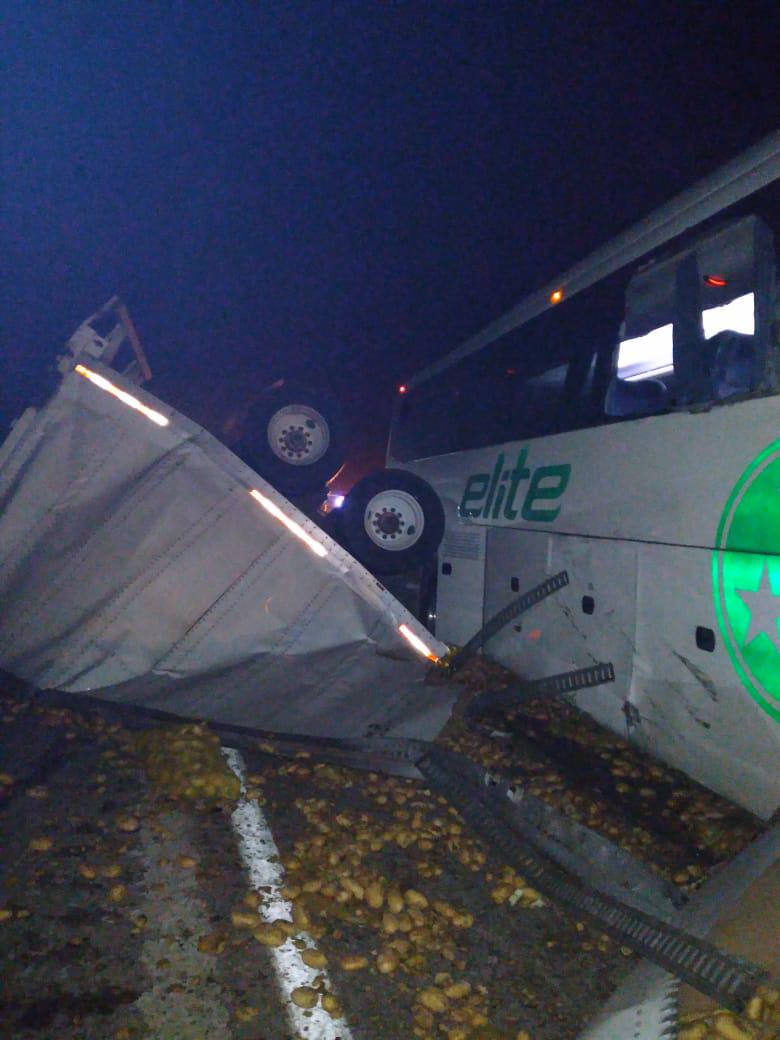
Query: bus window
696	327
689	328
542	379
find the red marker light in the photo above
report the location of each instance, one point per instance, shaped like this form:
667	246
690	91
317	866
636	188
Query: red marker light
557	296
716	280
402	388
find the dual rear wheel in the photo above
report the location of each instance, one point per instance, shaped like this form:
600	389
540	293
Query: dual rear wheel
293	436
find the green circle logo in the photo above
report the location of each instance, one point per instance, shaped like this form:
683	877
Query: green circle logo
746	579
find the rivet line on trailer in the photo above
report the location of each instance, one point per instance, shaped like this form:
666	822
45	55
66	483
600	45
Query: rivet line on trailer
266	876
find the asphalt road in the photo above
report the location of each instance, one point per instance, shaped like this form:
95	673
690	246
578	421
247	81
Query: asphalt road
279	899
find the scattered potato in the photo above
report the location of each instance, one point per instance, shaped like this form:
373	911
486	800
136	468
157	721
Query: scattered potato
212	943
305	997
244	918
500	893
433	999
187	762
387	962
331	1005
128	824
354	962
458	990
375	896
314	958
415	898
395	900
269	935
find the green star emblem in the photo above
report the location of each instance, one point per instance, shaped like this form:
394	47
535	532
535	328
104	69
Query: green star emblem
746	578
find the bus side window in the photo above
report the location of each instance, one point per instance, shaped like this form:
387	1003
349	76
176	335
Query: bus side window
696	324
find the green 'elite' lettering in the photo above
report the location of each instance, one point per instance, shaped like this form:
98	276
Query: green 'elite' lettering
556	480
494	495
476	486
493	483
520	472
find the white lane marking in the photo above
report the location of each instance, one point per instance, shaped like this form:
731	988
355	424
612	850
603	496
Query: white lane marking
266	876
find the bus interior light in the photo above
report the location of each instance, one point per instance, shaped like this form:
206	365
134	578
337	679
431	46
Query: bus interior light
289	523
738	315
649	354
417	643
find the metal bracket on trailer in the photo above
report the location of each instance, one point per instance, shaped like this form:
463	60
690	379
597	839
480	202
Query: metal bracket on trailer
585	853
105	347
503	617
552	685
645	1005
730	980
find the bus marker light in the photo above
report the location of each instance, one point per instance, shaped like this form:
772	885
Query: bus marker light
417	643
557	296
402	388
121	395
290	524
716	280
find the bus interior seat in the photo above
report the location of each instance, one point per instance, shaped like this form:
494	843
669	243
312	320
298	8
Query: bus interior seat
734	368
628	398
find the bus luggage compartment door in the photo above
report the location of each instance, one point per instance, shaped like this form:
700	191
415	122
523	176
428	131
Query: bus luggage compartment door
591	620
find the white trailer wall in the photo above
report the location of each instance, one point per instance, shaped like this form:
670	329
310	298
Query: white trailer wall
136	565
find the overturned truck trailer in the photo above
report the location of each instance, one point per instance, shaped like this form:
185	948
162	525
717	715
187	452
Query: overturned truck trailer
142	561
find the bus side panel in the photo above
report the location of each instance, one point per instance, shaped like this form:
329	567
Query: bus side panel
519	558
559	634
461	581
694	711
598	618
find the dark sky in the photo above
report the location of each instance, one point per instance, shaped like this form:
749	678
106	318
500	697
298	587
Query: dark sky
351	187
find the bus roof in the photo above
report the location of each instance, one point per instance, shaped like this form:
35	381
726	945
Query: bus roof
748	173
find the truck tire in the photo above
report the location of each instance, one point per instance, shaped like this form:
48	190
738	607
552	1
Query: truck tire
293	437
392	520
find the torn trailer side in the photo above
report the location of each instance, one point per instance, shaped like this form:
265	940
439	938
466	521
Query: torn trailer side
143	561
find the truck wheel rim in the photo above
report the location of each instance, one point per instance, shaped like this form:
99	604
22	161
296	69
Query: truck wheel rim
394	520
298	435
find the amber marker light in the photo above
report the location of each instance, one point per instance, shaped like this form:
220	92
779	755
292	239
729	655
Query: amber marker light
417	643
557	296
121	395
296	529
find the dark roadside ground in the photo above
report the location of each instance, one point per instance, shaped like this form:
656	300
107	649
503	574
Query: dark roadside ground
126	909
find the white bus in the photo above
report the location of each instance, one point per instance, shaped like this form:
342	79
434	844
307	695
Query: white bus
623	425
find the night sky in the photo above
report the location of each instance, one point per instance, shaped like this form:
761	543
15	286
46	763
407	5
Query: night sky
351	188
